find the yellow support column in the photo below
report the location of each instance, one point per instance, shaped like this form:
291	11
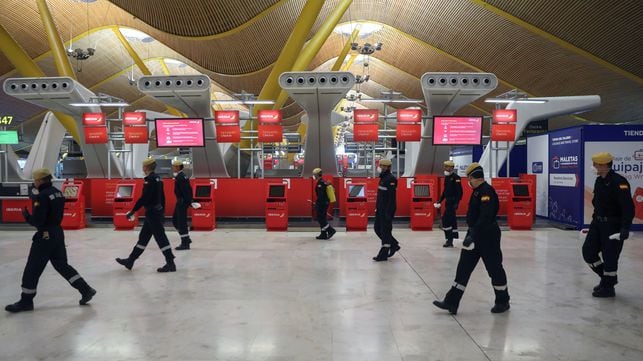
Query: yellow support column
313	46
28	68
137	59
286	58
345	50
55	42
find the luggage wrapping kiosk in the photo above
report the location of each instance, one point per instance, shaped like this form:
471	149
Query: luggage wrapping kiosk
422	209
203	219
356	207
521	202
123	203
276	207
74	213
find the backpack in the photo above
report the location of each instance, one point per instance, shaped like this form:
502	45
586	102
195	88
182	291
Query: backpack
330	192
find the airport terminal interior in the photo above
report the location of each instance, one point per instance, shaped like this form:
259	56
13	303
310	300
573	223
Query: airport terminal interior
324	180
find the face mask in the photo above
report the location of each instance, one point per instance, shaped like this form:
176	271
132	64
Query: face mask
447	173
470	184
175	174
594	170
379	169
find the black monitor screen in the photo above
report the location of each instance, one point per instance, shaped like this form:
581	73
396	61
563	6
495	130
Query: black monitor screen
521	190
356	190
203	191
277	191
71	192
124	191
421	190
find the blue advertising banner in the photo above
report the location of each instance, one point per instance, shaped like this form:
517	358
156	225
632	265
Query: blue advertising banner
565	176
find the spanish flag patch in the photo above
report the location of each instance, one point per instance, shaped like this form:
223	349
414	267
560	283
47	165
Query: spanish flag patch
623	186
485	198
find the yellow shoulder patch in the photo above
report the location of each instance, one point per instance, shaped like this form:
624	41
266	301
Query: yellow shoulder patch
623	186
485	198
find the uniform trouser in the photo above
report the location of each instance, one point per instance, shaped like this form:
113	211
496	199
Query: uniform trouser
48	250
449	222
153	226
487	248
597	241
384	230
180	222
320	210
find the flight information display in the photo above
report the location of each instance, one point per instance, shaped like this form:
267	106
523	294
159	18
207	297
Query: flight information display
457	130
177	132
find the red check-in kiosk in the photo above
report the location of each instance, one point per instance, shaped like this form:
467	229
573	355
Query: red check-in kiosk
422	209
74	213
123	203
519	214
276	207
203	219
356	207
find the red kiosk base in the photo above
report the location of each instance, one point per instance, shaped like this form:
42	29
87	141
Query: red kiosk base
203	219
276	208
74	213
356	207
123	203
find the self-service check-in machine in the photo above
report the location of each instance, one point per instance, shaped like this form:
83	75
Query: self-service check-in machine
203	218
14	197
74	213
276	207
422	209
520	212
356	207
123	203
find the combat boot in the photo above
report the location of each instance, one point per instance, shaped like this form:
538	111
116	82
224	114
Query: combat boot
382	255
451	301
331	232
127	262
169	267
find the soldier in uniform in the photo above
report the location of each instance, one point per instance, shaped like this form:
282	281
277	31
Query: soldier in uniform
482	241
48	244
385	211
183	193
611	222
321	206
452	194
153	199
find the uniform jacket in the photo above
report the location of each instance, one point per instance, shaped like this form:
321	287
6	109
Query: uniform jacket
48	208
613	198
182	189
386	200
153	198
483	209
452	190
322	196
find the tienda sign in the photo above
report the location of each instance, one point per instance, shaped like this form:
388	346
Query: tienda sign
226	117
505	115
365	116
269	116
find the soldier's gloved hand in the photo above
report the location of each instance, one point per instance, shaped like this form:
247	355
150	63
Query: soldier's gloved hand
615	236
437	205
625	234
130	216
25	213
468	242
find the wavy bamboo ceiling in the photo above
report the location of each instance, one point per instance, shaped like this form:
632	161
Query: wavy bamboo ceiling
541	47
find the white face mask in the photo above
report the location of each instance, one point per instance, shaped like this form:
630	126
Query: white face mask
594	170
447	173
470	184
379	170
175	174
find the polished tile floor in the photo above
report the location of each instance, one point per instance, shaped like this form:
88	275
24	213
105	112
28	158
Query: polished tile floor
253	295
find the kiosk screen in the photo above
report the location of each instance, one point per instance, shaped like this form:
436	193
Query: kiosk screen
521	190
276	191
203	191
421	190
71	192
356	190
124	191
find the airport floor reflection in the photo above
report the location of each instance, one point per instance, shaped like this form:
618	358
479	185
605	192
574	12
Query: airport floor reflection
254	295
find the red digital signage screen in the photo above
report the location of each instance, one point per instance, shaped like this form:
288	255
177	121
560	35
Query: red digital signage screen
457	130
179	132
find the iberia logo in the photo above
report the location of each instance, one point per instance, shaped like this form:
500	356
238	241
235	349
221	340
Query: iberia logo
409	115
269	116
504	115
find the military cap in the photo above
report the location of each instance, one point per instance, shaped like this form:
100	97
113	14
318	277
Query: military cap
40	173
385	162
